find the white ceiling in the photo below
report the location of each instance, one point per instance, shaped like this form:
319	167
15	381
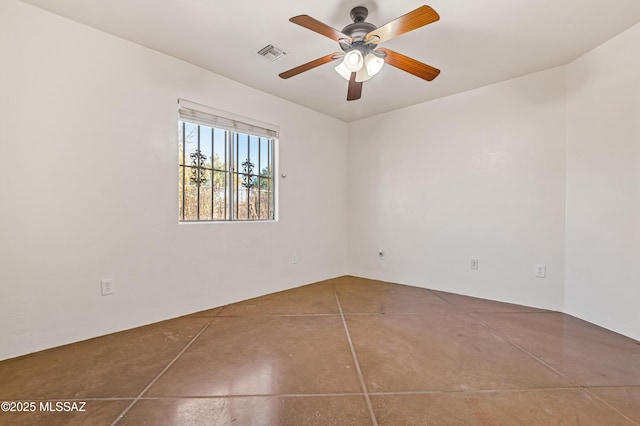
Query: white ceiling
475	43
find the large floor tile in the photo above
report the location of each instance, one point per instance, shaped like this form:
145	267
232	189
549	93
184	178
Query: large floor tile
250	411
262	356
554	407
310	299
586	353
358	295
96	413
117	365
441	352
626	400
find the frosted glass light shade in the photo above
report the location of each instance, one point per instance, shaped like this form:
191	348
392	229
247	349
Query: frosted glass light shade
353	60
373	64
343	71
363	75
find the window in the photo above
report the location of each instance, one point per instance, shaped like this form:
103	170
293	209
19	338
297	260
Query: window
226	167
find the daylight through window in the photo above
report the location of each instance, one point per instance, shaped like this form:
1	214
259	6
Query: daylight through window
226	168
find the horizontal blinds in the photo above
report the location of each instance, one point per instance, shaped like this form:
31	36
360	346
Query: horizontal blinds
203	115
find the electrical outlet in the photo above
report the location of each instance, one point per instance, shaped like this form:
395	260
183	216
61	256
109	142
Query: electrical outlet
540	270
294	258
107	287
474	263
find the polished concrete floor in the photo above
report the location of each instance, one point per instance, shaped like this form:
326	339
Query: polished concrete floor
347	351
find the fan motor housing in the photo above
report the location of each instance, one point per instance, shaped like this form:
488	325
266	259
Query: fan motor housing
359	29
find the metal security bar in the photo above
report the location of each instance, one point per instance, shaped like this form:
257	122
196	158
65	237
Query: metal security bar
224	175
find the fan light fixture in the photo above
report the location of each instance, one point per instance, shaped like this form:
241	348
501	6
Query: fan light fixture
364	68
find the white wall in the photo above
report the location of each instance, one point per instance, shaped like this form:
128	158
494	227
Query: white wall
483	175
603	185
88	159
475	175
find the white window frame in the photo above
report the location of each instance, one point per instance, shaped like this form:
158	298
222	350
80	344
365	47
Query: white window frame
202	115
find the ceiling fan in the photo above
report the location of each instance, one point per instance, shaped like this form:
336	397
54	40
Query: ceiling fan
361	56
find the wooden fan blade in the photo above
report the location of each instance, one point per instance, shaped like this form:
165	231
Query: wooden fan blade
310	65
410	65
355	88
415	19
319	27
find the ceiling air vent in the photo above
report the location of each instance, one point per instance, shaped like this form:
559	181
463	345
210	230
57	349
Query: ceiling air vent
271	52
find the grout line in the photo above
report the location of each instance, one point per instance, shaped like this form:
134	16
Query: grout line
521	348
91	398
439	296
524	312
386	393
477	391
253	395
508	312
155	379
355	360
605	387
577	387
605	402
439	313
277	315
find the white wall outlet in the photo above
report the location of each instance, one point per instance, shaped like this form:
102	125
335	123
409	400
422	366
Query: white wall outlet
294	258
106	286
381	254
474	263
540	271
